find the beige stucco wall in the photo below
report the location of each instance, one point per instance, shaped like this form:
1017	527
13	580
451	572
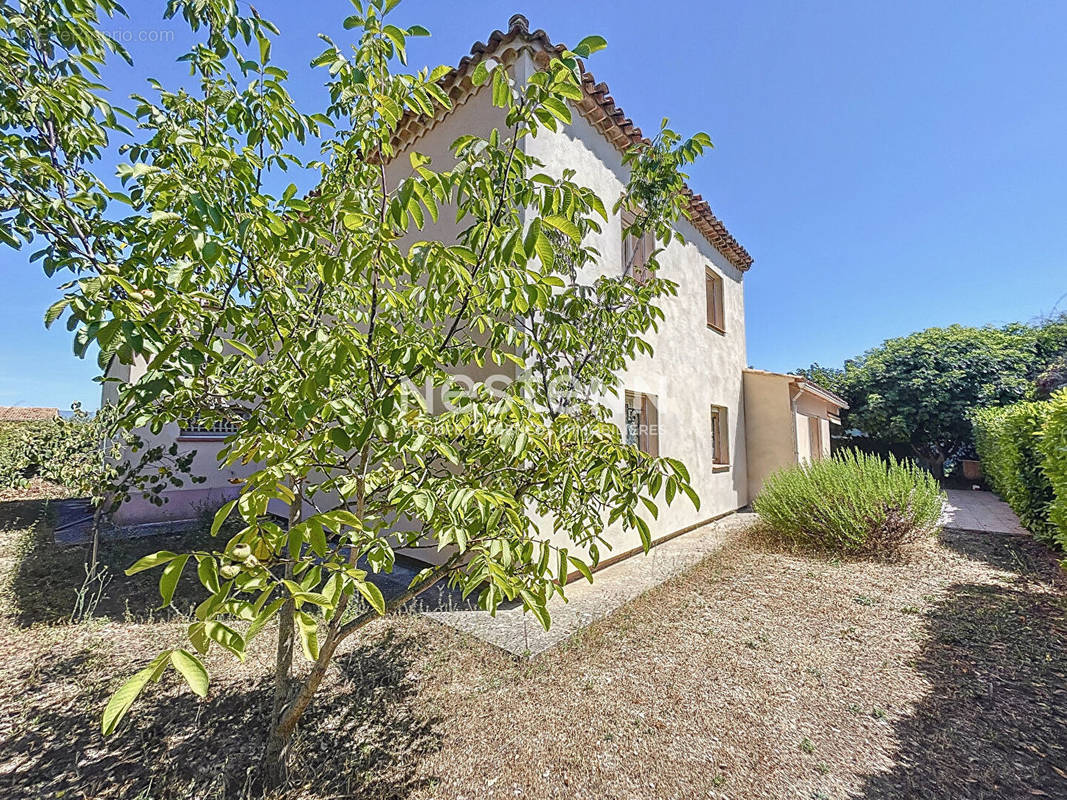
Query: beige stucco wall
693	367
770	430
778	418
192	500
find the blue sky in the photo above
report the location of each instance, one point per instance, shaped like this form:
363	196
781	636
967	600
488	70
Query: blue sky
889	166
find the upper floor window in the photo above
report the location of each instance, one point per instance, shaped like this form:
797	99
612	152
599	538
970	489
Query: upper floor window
713	290
642	422
636	251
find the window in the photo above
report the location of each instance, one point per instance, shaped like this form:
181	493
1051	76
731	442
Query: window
720	437
217	430
815	438
714	298
636	252
642	422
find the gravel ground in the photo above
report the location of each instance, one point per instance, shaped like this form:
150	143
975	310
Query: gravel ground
758	674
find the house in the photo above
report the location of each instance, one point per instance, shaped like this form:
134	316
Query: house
788	421
27	414
688	400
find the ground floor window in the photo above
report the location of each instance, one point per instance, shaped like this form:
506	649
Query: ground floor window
195	429
642	422
720	437
815	437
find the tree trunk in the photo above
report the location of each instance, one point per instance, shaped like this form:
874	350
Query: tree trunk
275	755
275	763
932	457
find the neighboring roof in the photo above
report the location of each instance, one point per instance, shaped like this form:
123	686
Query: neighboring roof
804	384
26	413
598	107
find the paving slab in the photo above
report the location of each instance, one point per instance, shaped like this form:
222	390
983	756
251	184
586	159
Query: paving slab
980	511
520	634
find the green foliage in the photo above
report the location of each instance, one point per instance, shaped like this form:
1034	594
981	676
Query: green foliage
60	450
1008	440
1053	447
328	320
920	389
92	457
17	460
853	503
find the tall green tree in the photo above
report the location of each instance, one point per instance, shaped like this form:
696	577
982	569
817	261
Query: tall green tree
312	315
920	389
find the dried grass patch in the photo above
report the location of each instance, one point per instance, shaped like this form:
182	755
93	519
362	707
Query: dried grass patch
759	673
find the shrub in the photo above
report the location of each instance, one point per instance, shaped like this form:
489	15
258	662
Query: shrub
64	451
1053	446
853	502
20	444
1007	440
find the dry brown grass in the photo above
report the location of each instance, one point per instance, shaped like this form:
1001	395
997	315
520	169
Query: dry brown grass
759	674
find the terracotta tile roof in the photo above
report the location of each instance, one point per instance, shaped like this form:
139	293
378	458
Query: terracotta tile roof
26	413
598	107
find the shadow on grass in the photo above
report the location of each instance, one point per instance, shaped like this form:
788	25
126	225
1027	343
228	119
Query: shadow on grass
363	737
1026	558
44	579
994	722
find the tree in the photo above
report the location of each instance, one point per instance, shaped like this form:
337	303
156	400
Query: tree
920	389
832	378
1051	342
325	321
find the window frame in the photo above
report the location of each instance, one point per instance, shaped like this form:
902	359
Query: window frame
642	247
720	438
815	441
647	406
217	432
714	300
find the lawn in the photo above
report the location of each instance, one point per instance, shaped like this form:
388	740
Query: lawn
758	674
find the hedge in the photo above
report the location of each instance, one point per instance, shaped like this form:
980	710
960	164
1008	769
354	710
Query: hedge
1023	449
1054	448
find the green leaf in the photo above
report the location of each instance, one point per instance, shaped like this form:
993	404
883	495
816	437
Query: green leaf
192	670
545	251
558	109
263	618
54	311
309	634
168	581
244	348
537	608
226	636
590	45
373	595
220	516
317	538
207	569
564	225
121	700
150	561
582	567
480	74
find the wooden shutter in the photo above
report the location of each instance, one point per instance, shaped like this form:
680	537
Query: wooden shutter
713	290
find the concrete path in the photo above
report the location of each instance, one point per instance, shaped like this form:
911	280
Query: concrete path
519	633
980	511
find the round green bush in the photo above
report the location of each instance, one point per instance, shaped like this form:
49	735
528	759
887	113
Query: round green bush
853	502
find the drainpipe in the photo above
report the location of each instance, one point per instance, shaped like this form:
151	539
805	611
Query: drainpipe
793	397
